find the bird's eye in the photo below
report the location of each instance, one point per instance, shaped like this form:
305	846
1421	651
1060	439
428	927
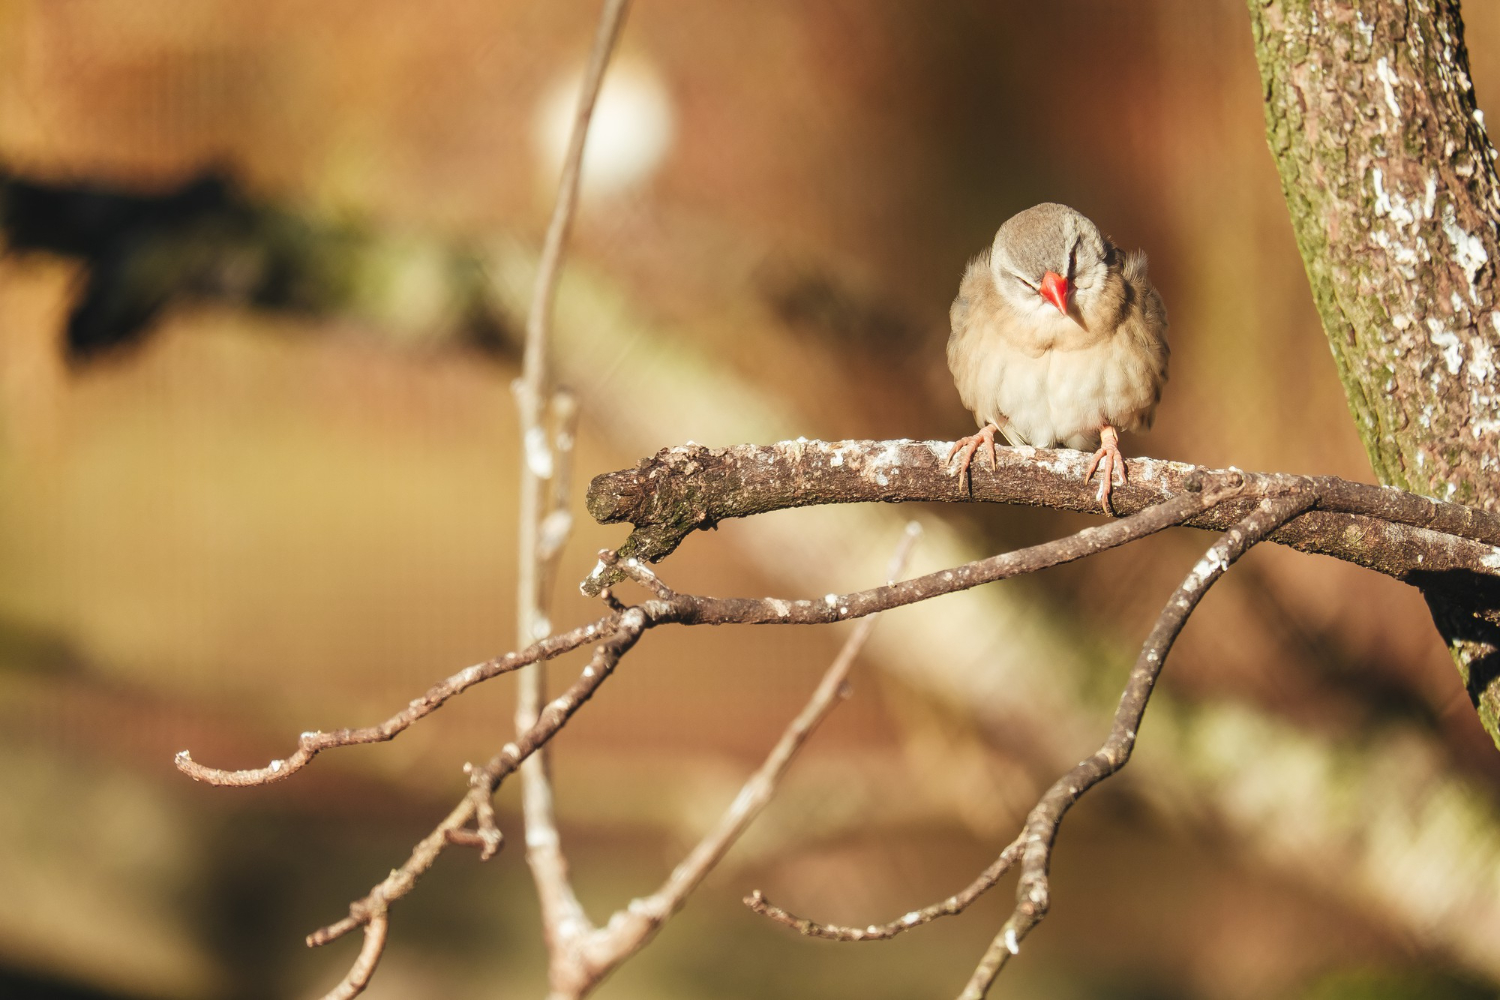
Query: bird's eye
1072	260
1029	284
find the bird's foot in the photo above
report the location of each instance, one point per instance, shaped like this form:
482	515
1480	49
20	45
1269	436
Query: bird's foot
1108	461
969	445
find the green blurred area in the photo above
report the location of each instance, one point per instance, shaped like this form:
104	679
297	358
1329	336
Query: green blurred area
259	519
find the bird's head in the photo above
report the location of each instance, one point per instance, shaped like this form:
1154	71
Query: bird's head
1051	256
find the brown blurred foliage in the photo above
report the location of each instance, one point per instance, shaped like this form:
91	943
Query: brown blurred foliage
255	521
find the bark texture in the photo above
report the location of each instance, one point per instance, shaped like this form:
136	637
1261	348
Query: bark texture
1390	180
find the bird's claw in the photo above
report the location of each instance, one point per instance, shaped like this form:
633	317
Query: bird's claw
1108	461
969	445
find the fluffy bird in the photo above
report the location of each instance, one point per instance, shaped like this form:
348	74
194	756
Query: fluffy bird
1057	338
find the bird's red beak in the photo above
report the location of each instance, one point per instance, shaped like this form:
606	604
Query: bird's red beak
1055	290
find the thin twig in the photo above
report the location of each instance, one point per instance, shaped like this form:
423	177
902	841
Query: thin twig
1040	832
561	912
555	714
952	906
363	968
483	783
693	609
557	526
309	745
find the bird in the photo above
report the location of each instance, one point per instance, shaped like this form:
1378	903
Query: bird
1057	337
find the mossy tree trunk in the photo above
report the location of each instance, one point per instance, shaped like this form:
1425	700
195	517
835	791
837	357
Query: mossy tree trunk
1390	180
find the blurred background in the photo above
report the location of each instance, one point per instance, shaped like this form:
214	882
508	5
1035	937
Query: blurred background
265	267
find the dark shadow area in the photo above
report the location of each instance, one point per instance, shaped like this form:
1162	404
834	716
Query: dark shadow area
18	985
208	240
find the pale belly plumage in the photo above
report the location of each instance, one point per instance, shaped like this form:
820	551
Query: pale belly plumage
1060	396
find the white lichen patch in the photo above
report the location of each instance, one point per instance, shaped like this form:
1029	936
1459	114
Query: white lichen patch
1391	204
1366	31
888	458
538	453
1468	249
1481	362
1446	341
1214	562
1403	257
1062	462
1389	79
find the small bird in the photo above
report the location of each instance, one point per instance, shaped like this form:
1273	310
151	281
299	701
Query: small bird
1057	337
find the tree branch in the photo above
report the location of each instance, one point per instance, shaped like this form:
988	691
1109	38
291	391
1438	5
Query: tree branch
562	914
690	487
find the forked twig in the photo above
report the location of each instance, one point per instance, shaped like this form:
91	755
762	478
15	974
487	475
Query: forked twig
483	782
1033	846
1040	831
358	977
629	930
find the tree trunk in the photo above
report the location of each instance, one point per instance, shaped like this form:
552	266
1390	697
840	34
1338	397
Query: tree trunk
1390	180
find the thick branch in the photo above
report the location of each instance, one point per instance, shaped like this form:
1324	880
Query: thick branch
1390	180
690	487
